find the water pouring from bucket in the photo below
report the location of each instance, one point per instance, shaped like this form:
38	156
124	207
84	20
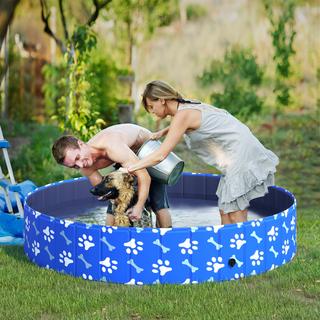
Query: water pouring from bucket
169	170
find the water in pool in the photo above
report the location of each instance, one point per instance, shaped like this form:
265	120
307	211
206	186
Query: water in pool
184	213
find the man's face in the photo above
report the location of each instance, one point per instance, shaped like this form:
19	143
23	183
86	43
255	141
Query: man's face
78	158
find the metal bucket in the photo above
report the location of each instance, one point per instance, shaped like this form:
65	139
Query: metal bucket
168	171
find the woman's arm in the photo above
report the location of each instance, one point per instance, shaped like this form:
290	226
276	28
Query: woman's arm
159	134
119	152
180	123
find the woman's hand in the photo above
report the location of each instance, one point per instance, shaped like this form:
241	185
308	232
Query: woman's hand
159	134
123	169
156	135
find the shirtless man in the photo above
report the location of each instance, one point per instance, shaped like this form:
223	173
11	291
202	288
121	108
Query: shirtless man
115	144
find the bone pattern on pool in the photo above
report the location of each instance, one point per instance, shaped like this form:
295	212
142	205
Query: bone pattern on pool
147	256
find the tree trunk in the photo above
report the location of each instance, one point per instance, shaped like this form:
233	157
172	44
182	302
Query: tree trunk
7	8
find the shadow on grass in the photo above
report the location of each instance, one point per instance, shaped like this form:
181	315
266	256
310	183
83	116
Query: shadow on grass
17	253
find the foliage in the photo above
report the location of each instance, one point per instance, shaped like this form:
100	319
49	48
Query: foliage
318	98
33	161
143	17
105	89
81	93
82	116
22	86
240	76
283	34
195	12
136	20
54	87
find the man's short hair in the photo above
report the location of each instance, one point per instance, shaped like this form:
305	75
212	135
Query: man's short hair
60	146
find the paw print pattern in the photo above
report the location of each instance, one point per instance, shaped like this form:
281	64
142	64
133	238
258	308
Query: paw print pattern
188	281
109	229
87	276
65	258
134	282
257	257
215	264
66	223
36	213
293	223
27	224
108	265
238	276
273	233
133	246
85	242
48	234
285	247
255	223
188	246
35	247
161	267
238	241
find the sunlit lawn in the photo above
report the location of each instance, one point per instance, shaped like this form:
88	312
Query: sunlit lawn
289	292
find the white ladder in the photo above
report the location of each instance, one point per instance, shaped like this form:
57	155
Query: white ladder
11	185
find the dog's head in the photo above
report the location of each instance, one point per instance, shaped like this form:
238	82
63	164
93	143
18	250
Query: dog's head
113	184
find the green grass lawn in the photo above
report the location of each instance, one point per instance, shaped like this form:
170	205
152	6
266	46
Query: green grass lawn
289	292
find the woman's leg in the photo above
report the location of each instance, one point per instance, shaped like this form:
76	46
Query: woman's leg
238	216
224	218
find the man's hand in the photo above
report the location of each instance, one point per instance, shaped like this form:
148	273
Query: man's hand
134	213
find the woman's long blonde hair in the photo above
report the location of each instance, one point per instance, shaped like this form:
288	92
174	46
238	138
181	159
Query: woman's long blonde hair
159	90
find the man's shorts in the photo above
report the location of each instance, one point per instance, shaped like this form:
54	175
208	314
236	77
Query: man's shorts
158	197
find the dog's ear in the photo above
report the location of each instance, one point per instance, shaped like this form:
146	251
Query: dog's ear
128	178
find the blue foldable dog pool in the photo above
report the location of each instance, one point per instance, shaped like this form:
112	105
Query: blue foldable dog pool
179	255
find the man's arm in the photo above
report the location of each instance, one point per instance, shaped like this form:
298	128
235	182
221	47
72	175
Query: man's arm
119	152
94	176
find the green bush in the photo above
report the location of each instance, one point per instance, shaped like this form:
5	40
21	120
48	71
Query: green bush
54	87
239	75
81	97
35	162
281	15
104	89
195	12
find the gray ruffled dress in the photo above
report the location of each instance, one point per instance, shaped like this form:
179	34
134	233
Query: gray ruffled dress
224	142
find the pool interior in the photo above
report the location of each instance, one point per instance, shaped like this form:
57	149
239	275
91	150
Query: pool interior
193	205
184	213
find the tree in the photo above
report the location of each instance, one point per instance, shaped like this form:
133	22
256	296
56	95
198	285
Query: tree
135	20
240	76
76	111
7	8
281	17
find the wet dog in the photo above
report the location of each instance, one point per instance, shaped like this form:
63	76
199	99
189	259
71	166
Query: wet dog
121	189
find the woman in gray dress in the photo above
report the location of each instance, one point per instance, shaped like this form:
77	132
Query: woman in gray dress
220	140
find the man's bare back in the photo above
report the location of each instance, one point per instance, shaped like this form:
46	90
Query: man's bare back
132	135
